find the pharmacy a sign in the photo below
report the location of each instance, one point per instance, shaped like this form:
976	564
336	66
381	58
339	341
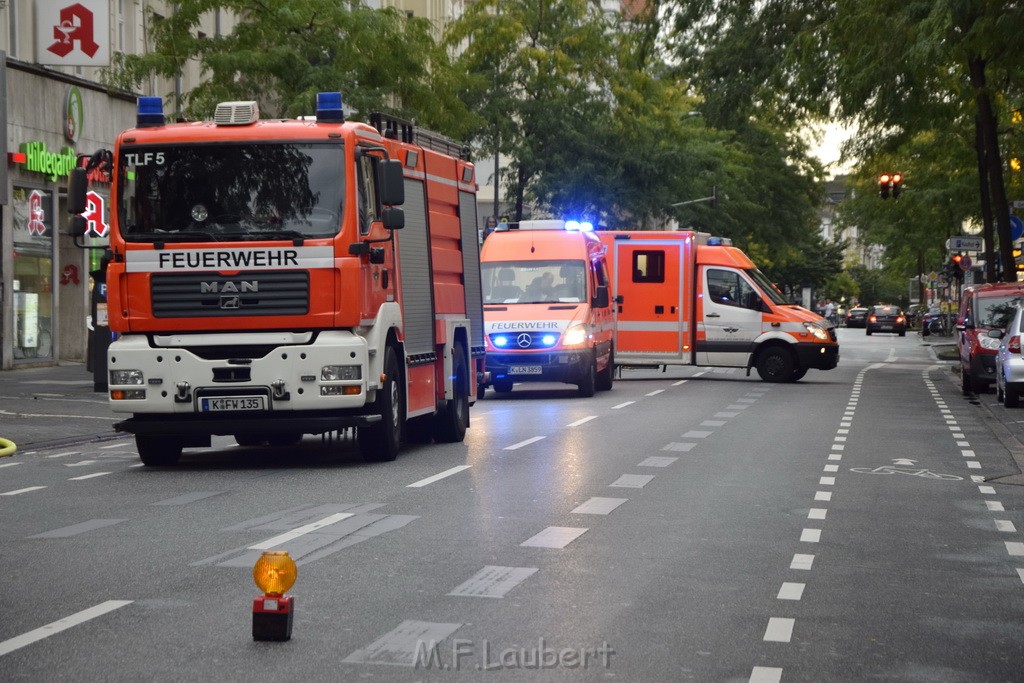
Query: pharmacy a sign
73	33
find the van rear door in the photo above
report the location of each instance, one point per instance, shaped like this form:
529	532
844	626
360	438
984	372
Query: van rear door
649	317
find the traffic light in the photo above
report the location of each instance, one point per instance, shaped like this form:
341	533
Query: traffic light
897	179
883	185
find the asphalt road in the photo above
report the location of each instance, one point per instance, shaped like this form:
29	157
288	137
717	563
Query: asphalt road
688	525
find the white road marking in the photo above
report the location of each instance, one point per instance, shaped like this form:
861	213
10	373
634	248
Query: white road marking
406	645
76	529
519	445
766	674
20	491
840	438
987	489
1015	548
697	434
655	392
599	506
9	464
810	536
958	436
301	531
737	406
791	591
1005	525
554	537
437	477
632	481
817	513
59	417
994	506
582	421
827	481
656	461
713	423
963	444
1020	573
89	476
835	456
967	453
115	445
725	414
831	468
973	465
838	447
80	463
676	384
493	582
823	495
678	447
780	630
623	405
802	562
85	615
61	455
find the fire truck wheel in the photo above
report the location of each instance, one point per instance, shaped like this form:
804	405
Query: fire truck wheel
250	440
451	422
606	377
157	451
798	375
381	441
775	364
588	382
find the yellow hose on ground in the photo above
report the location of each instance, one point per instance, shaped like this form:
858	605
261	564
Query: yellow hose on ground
7	447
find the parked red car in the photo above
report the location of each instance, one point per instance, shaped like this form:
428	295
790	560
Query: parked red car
983	308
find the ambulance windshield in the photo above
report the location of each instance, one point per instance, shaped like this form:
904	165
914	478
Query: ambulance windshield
230	192
529	282
766	287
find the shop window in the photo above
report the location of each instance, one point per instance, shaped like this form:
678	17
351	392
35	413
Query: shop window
32	273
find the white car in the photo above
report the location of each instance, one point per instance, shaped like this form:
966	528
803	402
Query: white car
1010	361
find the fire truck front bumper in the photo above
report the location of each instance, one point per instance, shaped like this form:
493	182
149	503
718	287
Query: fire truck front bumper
817	356
553	366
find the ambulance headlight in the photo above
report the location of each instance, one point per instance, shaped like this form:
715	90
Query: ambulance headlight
119	377
548	340
336	373
500	340
575	335
819	332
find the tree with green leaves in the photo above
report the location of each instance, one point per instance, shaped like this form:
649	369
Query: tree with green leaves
282	52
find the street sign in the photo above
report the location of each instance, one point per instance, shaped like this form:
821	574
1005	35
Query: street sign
964	243
965	263
1017	204
1016	228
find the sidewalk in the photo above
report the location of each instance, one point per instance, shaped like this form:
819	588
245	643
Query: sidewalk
52	406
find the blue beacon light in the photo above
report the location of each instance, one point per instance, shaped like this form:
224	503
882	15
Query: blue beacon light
149	112
329	108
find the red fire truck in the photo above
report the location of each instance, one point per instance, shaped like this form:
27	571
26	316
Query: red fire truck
266	285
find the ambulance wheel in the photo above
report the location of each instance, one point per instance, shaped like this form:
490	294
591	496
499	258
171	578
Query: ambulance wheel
588	383
451	423
607	376
502	386
381	441
158	451
775	364
798	375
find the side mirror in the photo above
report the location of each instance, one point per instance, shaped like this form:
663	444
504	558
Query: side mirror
78	186
393	218
77	226
391	183
601	297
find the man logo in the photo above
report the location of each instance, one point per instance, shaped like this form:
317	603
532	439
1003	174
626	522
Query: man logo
230	303
229	287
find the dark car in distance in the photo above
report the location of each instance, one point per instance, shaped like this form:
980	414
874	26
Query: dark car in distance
856	317
886	319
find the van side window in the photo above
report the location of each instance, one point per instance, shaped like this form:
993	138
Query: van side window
731	289
648	266
366	200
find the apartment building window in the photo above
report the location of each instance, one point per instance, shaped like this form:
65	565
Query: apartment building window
120	25
12	27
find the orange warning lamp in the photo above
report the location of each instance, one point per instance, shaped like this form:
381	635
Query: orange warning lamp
274	573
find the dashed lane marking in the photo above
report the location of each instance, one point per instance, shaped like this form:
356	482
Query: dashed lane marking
42	632
437	477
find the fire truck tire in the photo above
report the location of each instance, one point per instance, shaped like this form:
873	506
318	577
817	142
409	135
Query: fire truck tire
798	375
381	441
775	364
502	386
606	377
588	382
157	451
451	422
250	440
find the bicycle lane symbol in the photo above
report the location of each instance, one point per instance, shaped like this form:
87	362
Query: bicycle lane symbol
901	468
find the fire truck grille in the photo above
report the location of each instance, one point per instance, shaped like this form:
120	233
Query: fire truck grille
208	295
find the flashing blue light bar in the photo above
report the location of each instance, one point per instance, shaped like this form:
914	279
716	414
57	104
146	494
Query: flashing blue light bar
328	107
579	226
500	341
715	242
149	112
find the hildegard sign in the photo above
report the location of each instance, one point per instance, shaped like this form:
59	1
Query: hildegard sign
36	158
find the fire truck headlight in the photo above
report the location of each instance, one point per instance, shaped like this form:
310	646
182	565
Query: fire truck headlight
819	332
119	377
336	373
575	335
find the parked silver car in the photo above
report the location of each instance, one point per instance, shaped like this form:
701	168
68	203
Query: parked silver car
1010	361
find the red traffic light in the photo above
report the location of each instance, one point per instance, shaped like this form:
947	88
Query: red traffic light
884	178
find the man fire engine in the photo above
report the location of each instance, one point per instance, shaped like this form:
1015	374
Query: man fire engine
266	285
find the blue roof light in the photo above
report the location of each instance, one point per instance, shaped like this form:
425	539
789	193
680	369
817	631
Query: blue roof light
715	241
329	108
150	112
579	226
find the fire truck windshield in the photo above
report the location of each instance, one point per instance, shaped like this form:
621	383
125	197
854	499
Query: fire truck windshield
230	192
527	282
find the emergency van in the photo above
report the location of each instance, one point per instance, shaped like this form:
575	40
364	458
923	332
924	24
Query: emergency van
547	314
687	298
275	278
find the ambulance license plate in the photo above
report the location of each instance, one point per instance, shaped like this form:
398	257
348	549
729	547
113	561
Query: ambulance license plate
234	403
525	370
